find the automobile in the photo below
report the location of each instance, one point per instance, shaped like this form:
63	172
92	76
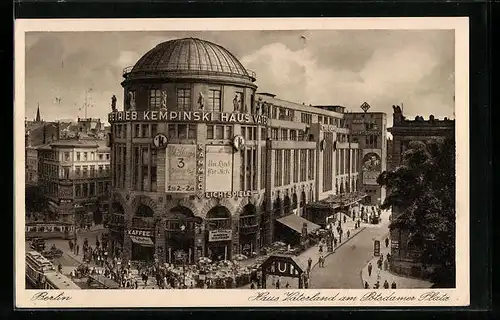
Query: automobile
52	253
38	244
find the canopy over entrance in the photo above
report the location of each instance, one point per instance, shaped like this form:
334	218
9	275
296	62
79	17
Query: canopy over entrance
337	201
142	241
296	223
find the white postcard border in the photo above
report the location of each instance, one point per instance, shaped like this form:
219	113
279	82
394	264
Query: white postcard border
234	297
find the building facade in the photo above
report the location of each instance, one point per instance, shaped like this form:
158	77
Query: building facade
202	165
75	178
405	257
369	130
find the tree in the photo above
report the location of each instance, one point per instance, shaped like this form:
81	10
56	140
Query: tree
34	199
423	188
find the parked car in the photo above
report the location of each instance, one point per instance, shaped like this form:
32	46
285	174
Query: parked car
53	253
38	244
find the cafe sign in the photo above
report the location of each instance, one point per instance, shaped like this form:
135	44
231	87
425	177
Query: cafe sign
190	116
220	235
141	233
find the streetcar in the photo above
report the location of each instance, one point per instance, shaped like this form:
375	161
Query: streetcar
58	281
37	266
49	230
42	274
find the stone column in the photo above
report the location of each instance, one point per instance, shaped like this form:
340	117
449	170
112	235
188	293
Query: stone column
235	220
199	241
160	243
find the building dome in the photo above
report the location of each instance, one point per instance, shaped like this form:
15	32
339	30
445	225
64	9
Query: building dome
188	57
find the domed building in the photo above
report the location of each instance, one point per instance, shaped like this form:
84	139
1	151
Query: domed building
203	166
176	180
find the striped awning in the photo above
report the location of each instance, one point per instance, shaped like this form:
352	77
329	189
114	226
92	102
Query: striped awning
142	241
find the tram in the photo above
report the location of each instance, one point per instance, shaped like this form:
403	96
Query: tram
36	268
42	274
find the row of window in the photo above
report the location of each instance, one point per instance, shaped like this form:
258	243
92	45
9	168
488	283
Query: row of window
83	171
91	189
144	168
288	134
219	132
184	103
248	169
303	166
343	163
87	156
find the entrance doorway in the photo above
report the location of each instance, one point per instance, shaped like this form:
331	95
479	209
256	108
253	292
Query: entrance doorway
219	234
180	232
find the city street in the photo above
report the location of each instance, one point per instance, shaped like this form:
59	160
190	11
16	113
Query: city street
343	268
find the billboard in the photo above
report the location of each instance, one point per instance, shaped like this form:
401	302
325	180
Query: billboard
372	166
180	173
218	169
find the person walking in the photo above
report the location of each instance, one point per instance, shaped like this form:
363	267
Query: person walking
386	242
367	286
345	219
393	285
278	283
77	249
386	284
370	267
309	263
348	234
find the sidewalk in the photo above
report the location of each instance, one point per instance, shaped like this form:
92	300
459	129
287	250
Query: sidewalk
382	275
314	253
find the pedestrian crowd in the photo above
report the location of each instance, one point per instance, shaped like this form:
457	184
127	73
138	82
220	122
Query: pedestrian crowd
382	264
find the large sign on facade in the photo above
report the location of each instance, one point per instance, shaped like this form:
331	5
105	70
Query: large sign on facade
189	116
372	166
180	173
220	235
219	169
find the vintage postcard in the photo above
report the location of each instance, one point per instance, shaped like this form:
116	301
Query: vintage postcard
241	162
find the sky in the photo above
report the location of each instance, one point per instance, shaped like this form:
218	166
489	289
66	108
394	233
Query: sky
321	67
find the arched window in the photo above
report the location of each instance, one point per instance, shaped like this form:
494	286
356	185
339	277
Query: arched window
294	201
144	211
219	217
277	207
287	206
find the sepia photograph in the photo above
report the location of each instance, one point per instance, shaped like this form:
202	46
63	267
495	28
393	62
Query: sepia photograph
285	162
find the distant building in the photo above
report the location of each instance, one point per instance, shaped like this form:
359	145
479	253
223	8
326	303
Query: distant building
369	130
405	257
75	177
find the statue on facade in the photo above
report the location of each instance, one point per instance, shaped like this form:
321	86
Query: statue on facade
236	103
164	99
397	109
201	100
131	95
113	103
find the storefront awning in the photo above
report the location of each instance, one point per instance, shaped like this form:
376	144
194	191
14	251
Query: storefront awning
295	223
142	241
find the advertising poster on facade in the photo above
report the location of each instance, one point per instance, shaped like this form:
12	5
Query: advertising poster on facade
181	168
219	169
372	166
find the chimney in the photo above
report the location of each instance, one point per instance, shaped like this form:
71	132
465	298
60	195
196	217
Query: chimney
58	133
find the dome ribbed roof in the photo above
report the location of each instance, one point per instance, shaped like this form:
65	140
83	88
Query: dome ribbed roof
190	55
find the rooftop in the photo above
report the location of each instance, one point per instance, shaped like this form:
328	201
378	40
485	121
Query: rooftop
188	57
